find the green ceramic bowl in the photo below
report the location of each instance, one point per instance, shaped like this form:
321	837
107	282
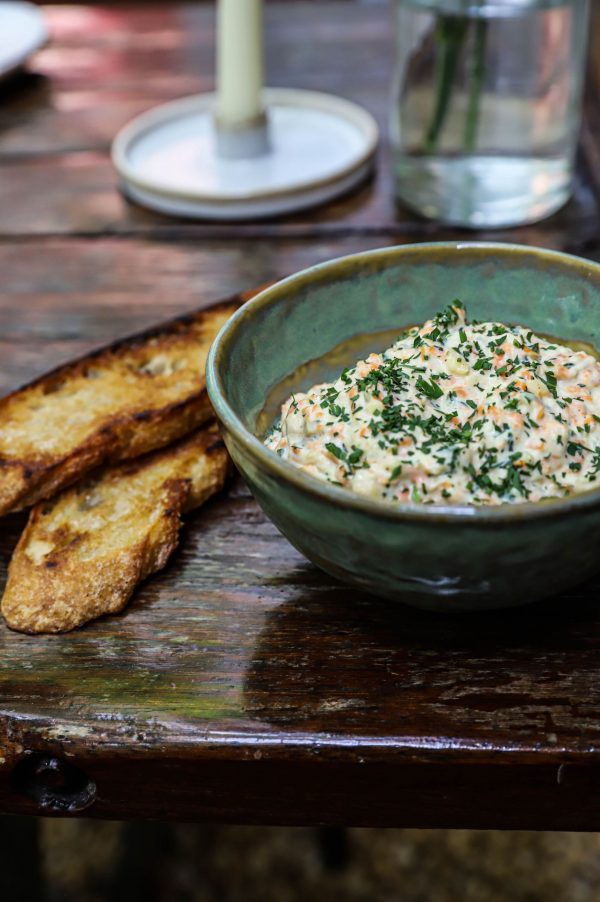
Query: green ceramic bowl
443	558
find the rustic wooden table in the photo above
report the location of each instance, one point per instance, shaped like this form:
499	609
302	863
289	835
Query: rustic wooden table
242	685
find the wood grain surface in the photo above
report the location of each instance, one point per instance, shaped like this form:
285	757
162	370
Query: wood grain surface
242	685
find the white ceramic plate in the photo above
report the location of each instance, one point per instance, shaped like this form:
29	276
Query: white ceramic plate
22	32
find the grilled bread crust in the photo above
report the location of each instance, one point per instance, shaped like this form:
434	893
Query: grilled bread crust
122	401
83	553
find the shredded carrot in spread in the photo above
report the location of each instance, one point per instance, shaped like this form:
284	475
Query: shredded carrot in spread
453	413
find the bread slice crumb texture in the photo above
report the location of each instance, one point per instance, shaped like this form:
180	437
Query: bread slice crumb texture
118	403
83	553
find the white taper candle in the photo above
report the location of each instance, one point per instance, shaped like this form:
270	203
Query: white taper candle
240	67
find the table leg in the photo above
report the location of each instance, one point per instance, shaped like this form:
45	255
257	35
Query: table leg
21	872
334	848
137	876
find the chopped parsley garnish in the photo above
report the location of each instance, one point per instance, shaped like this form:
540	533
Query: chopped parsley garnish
429	388
336	451
477	411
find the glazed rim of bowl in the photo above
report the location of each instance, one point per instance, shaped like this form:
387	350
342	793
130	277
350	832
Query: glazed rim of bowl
400	511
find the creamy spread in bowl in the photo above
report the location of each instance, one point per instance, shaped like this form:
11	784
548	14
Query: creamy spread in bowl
453	413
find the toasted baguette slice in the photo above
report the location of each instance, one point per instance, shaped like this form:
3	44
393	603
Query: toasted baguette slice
83	553
118	403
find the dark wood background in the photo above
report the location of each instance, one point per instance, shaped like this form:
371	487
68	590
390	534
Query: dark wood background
242	685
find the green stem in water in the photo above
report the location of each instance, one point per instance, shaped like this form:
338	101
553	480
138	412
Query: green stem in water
450	36
476	76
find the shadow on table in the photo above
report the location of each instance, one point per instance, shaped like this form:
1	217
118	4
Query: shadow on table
336	661
24	88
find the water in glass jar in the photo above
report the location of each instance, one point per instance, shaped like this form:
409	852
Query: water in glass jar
485	109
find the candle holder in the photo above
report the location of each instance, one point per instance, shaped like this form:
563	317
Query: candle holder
244	152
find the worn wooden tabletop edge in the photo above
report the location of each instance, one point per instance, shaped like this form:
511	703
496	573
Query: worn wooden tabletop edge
196	740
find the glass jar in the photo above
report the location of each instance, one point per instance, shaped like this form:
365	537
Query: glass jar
486	107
